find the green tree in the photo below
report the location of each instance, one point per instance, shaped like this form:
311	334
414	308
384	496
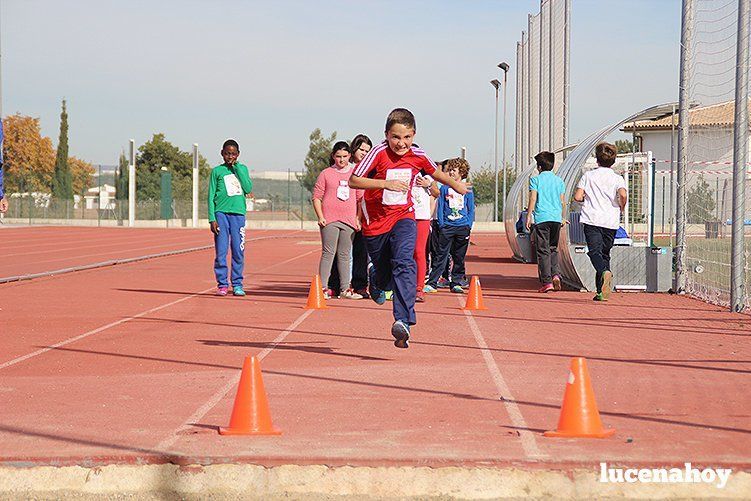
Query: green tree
700	203
158	154
317	159
623	146
62	183
121	178
483	185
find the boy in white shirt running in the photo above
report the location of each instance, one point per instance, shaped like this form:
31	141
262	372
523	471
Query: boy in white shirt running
604	197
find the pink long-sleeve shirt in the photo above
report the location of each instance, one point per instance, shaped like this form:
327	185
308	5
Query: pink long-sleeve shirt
331	188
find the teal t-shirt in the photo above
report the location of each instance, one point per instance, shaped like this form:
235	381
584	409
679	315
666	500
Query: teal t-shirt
549	188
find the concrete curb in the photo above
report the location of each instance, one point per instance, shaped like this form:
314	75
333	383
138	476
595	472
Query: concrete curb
322	482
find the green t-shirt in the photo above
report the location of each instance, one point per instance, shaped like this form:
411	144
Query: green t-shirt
227	189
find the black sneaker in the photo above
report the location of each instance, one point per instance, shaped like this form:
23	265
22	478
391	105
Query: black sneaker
374	292
400	331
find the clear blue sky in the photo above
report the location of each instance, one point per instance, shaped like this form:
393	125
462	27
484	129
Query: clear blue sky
268	73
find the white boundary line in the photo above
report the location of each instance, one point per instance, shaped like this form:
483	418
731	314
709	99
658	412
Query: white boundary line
113	262
227	387
41	351
529	444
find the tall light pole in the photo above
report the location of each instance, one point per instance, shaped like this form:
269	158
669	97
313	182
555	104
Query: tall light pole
495	83
505	68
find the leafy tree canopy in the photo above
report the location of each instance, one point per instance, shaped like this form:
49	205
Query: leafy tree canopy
62	185
158	154
700	202
317	159
623	146
29	158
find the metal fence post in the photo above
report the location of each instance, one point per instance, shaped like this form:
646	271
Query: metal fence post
687	28
740	156
651	187
99	201
302	198
132	185
195	185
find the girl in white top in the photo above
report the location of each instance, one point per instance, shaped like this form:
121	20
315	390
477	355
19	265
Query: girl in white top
421	201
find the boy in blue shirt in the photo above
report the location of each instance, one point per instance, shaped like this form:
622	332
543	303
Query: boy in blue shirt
455	214
547	205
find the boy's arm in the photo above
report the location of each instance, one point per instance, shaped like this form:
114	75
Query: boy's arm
212	189
212	207
318	207
366	183
434	189
459	186
622	198
470	203
244	178
563	209
358	218
531	208
579	193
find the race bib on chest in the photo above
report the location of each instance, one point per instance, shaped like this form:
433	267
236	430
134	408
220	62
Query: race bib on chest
397	197
342	191
456	201
232	185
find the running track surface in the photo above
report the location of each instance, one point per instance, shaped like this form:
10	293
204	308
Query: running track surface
138	363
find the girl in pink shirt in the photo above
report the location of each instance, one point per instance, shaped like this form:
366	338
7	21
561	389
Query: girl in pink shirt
339	212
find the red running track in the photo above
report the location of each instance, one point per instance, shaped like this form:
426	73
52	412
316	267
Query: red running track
138	363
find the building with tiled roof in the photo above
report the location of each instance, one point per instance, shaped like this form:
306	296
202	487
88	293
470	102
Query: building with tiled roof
710	136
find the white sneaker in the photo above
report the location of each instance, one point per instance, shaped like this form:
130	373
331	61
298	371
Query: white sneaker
350	294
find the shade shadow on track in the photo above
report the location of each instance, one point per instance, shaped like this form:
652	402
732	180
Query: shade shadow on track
172	458
672	363
176	293
277	290
285	346
638	417
413	389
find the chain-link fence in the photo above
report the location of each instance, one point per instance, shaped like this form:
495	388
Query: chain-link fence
542	60
708	188
271	200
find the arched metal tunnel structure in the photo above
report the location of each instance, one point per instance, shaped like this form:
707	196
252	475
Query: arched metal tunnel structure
631	265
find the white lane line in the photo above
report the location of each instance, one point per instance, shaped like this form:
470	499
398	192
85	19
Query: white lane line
529	444
113	262
217	397
33	354
41	351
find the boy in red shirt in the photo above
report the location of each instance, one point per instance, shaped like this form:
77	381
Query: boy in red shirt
386	174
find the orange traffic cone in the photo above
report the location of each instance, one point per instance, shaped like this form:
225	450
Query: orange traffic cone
250	414
316	301
579	415
474	296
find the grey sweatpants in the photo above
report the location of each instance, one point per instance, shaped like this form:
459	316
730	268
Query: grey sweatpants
336	240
